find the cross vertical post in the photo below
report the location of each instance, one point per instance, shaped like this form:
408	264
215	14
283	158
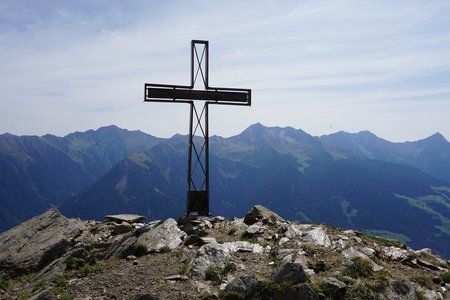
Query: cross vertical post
198	150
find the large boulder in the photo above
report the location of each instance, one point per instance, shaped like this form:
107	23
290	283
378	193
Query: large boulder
35	243
243	285
209	255
318	236
167	234
401	290
289	272
259	213
300	291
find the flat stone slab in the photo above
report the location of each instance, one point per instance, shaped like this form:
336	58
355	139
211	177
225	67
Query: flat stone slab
129	218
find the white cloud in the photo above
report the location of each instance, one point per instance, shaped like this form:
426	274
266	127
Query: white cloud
76	65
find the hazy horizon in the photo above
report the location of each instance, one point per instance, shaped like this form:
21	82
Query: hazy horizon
223	136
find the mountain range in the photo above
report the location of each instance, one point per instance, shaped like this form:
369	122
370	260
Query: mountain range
358	181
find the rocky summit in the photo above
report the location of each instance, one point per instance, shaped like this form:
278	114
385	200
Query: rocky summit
259	256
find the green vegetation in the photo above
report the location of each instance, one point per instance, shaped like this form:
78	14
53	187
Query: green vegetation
60	280
184	268
89	269
421	203
60	294
140	250
164	249
22	295
360	268
4	284
423	280
446	277
443	190
39	286
389	237
177	253
230	295
161	285
268	288
250	239
348	211
232	231
229	267
361	290
383	241
212	273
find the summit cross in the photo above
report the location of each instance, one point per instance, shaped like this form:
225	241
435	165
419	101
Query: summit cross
198	151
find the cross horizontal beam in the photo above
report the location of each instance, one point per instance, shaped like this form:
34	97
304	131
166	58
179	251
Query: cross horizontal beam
171	93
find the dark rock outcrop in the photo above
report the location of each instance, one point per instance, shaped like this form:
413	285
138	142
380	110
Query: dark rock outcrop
290	272
259	213
37	242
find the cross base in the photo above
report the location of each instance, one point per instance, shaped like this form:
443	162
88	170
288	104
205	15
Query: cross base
198	202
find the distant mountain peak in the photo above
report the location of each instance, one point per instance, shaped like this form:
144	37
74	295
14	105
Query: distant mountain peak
437	137
110	127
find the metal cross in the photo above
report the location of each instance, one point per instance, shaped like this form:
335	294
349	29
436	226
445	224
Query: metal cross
198	155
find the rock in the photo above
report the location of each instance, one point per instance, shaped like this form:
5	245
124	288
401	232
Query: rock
283	241
166	234
188	228
144	297
351	253
429	266
301	291
202	287
368	251
243	246
212	254
336	288
318	236
319	266
124	247
254	229
429	294
176	277
206	224
426	251
207	240
341	244
122	228
282	253
218	219
260	213
193	239
290	272
129	218
244	285
37	242
301	259
402	290
394	253
292	232
43	295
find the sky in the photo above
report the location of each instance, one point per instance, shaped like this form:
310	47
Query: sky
319	66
